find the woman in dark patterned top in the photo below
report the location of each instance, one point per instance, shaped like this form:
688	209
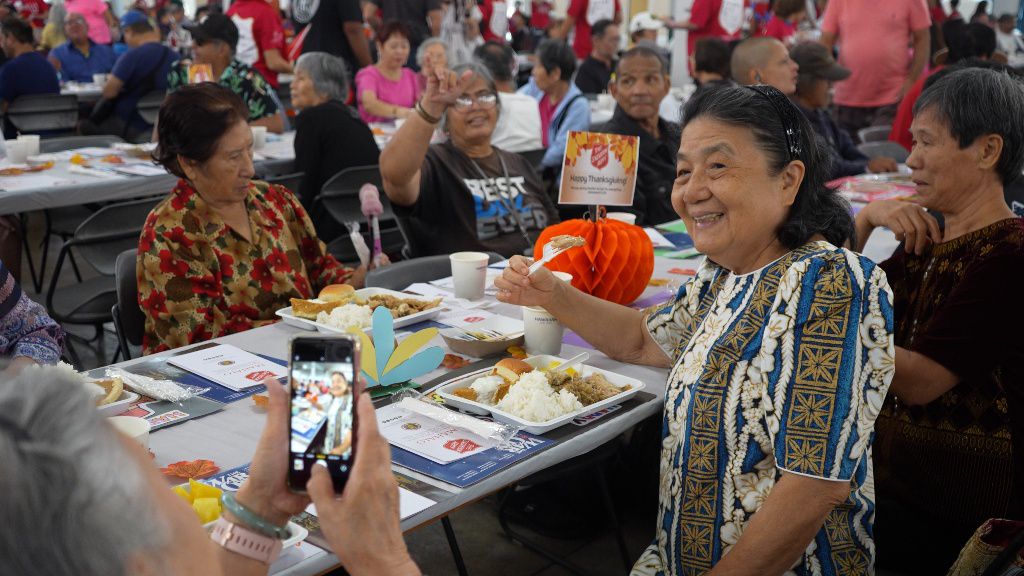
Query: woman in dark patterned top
223	252
27	334
951	437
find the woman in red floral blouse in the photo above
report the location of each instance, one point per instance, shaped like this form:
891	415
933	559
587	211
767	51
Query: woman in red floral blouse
223	252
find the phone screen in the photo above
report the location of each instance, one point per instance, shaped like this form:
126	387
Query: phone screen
322	375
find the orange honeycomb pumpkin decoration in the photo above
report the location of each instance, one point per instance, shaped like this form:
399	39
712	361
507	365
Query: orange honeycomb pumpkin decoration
614	265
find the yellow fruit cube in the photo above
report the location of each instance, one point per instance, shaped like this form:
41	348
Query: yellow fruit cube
208	509
185	494
200	490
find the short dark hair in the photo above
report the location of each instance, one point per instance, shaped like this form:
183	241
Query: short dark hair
786	8
598	28
1006	17
555	54
974	102
390	28
191	122
140	27
713	55
643	52
817	208
974	40
498	58
18	29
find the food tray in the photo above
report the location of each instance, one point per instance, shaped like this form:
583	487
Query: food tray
538	427
121	406
296	533
292	320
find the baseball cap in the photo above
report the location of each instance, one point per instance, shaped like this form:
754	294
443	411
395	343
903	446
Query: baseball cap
132	17
816	60
644	21
216	26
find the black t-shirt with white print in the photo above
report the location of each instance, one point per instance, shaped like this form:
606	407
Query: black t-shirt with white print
460	209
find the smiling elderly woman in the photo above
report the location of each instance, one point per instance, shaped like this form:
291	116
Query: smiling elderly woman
223	252
463	194
780	348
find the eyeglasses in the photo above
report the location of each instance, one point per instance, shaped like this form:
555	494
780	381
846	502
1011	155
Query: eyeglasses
485	101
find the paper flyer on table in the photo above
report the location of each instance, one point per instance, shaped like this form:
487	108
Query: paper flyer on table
469	471
409	504
429	438
229	366
599	169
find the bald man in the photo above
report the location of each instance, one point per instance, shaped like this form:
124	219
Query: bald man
764	60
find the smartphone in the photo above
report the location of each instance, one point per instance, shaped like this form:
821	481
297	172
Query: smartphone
322	373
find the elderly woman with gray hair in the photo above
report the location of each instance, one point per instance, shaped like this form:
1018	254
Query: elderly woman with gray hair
463	194
430	56
329	136
65	513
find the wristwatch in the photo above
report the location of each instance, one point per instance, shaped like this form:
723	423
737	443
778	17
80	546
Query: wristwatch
241	540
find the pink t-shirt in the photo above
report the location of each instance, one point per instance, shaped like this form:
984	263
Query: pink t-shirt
93	11
875	40
402	92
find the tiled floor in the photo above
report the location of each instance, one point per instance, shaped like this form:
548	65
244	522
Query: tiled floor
484	546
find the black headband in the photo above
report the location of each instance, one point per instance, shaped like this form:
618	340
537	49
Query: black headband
787	115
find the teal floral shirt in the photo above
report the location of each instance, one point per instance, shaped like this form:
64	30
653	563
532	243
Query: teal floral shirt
240	79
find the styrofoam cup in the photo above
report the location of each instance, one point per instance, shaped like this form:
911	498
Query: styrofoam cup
543	331
627	217
469	274
32	142
259	137
133	427
17	151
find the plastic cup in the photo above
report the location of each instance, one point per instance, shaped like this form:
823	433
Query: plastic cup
133	427
17	151
259	137
543	331
32	142
469	274
99	79
627	217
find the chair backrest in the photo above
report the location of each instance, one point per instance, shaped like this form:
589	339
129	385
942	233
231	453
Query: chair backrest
149	105
132	322
874	133
340	199
289	181
72	142
534	156
887	149
400	275
110	231
44	112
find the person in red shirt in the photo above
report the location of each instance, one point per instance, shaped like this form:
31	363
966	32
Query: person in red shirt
495	20
260	38
540	15
582	14
34	12
784	20
712	19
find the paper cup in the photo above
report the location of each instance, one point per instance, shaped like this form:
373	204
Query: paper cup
259	137
32	142
542	330
133	427
563	276
469	274
99	79
17	151
627	217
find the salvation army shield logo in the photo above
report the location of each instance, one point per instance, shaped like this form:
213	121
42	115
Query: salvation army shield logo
599	156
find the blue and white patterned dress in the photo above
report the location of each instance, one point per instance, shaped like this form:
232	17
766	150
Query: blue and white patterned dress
781	369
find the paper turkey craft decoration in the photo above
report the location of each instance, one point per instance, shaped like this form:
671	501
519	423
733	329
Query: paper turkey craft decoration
385	365
615	264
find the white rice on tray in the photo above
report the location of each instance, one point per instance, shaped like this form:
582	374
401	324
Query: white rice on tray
534	400
346	316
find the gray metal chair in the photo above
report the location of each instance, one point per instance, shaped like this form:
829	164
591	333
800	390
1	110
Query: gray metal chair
400	275
887	149
129	320
339	197
289	181
149	105
48	113
874	133
52	145
534	156
98	241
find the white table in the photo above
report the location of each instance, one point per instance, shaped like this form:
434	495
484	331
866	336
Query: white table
229	437
59	186
85	91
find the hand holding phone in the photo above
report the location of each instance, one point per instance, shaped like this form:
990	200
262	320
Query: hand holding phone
322	376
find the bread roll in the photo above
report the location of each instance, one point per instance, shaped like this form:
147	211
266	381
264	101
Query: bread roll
511	369
338	293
